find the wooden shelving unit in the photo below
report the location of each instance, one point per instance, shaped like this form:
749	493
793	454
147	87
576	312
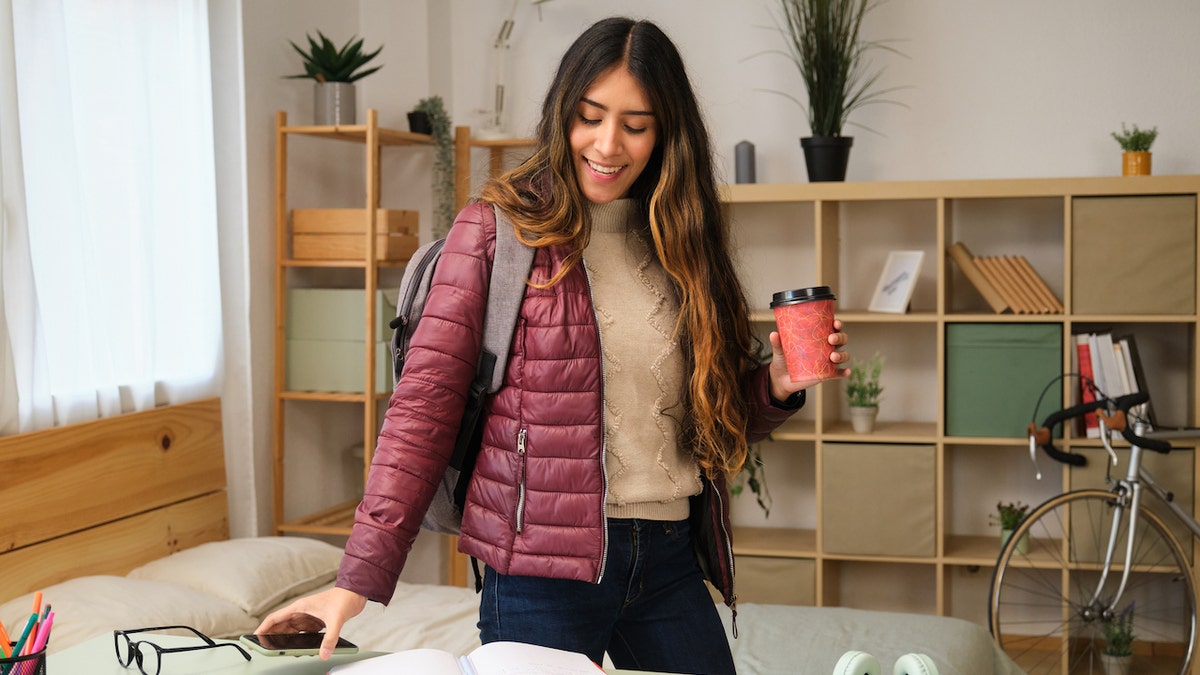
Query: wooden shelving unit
838	234
335	519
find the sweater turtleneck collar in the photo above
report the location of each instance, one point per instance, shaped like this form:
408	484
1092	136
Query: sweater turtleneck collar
614	216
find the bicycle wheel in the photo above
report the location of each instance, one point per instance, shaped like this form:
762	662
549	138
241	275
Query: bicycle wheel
1041	609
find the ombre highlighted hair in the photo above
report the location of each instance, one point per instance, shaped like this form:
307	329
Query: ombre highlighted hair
678	192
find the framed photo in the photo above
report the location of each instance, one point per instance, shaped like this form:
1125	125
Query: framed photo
896	283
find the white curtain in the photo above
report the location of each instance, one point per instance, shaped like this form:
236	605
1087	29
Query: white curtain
111	295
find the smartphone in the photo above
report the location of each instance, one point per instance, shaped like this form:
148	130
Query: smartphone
294	644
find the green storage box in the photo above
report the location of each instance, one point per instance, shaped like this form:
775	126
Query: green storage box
337	314
336	366
995	373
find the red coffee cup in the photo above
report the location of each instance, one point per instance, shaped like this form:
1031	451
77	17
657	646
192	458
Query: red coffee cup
804	318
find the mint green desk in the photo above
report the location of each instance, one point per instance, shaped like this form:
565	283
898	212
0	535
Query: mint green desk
97	657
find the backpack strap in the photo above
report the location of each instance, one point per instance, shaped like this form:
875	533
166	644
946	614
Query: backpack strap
510	271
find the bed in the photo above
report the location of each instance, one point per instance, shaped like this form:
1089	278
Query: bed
123	523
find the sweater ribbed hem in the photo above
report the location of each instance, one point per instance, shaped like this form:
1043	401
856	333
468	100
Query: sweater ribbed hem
673	510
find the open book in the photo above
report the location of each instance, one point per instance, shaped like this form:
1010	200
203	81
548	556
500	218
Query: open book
495	658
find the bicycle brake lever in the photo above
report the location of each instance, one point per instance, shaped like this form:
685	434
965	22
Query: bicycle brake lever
1033	456
1106	439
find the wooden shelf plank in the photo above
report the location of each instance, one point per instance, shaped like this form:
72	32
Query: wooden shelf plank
774	542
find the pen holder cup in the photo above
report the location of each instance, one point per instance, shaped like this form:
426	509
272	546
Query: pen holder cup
30	664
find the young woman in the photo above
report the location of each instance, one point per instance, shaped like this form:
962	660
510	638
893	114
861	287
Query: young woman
598	501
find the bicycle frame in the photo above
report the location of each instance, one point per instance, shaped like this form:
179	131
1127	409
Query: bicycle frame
1129	491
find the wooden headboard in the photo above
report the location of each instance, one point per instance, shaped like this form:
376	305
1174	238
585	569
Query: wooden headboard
105	496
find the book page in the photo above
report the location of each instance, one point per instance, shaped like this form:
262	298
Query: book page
515	658
424	661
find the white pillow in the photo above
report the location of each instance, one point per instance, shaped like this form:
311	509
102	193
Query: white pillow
254	573
85	607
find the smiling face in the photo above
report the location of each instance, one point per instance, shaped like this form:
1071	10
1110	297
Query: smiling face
612	136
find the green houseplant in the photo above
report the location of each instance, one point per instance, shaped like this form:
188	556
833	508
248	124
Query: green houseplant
863	391
824	41
1118	642
443	163
334	72
1008	516
1135	142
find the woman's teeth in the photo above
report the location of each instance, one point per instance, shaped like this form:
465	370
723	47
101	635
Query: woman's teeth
606	170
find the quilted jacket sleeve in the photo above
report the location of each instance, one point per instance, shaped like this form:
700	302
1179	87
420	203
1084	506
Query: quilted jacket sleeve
424	412
764	415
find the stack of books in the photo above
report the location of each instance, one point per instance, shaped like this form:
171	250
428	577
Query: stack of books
1007	282
1111	365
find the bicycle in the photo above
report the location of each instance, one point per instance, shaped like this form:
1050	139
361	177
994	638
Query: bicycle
1081	559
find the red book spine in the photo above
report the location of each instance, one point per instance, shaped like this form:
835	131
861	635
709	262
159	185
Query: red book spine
1091	424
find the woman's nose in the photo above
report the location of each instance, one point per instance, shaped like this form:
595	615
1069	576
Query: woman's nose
608	139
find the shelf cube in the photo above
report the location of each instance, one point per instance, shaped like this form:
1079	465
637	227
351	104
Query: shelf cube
995	373
878	499
326	343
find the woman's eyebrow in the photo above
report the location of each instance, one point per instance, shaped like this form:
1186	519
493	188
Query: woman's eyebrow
624	112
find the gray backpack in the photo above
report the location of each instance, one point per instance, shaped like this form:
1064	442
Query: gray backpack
510	270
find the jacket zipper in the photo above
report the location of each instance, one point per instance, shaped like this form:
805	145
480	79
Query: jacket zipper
720	523
603	435
521	483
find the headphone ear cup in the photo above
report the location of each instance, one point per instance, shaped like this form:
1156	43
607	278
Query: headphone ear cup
857	663
915	664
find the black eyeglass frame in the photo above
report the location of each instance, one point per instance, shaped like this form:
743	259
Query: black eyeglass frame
135	653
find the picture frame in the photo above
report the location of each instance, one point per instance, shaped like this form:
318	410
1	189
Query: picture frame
896	283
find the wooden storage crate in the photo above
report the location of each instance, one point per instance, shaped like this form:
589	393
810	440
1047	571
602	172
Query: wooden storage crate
337	234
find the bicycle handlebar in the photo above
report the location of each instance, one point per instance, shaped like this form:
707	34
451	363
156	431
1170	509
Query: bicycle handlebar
1116	420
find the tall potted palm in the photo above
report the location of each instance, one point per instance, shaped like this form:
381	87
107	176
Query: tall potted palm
824	42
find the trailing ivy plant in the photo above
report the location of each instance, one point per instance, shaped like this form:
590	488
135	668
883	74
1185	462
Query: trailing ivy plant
324	62
754	476
1135	139
443	164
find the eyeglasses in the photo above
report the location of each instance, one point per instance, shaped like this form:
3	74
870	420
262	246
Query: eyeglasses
148	655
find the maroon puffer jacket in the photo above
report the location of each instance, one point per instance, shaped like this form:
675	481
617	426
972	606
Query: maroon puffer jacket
536	502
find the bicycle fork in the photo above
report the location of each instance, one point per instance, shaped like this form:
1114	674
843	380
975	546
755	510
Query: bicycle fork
1129	492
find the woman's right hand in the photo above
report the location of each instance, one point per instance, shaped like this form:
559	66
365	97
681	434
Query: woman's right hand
329	609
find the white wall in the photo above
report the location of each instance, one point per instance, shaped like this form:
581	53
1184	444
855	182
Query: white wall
1024	88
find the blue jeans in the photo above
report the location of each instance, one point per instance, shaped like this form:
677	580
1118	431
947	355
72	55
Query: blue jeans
651	611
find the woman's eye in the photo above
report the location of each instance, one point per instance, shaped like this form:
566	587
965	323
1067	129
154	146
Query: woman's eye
635	130
585	120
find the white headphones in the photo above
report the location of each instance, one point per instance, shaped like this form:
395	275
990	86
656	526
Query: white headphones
862	663
857	663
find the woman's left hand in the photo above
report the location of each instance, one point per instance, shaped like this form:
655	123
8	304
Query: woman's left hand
782	385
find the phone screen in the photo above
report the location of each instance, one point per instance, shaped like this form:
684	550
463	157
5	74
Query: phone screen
295	643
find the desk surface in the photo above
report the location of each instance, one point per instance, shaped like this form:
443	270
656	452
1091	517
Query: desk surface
97	657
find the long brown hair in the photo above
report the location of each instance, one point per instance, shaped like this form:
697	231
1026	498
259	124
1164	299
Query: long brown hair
678	192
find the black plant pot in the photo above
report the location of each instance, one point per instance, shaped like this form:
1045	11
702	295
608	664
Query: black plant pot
826	157
418	122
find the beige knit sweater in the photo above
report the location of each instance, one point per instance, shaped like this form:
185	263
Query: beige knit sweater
649	475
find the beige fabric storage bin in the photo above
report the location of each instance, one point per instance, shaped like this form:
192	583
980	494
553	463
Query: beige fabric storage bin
1172	471
1133	255
776	581
878	499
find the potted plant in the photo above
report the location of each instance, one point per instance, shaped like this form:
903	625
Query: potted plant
824	43
862	387
1117	656
1135	160
443	163
335	72
1008	516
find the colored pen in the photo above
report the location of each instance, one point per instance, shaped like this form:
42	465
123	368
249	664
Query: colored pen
43	634
37	602
5	641
21	642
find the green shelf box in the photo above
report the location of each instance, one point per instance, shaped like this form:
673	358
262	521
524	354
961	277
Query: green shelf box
995	373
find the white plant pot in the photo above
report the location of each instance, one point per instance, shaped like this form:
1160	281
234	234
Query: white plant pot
1116	665
333	103
1022	543
863	419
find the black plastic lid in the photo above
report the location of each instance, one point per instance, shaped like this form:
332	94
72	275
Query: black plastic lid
802	295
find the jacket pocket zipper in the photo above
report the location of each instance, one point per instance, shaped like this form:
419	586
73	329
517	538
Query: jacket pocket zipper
521	482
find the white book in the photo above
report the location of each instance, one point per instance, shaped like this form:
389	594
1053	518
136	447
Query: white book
494	658
1112	374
